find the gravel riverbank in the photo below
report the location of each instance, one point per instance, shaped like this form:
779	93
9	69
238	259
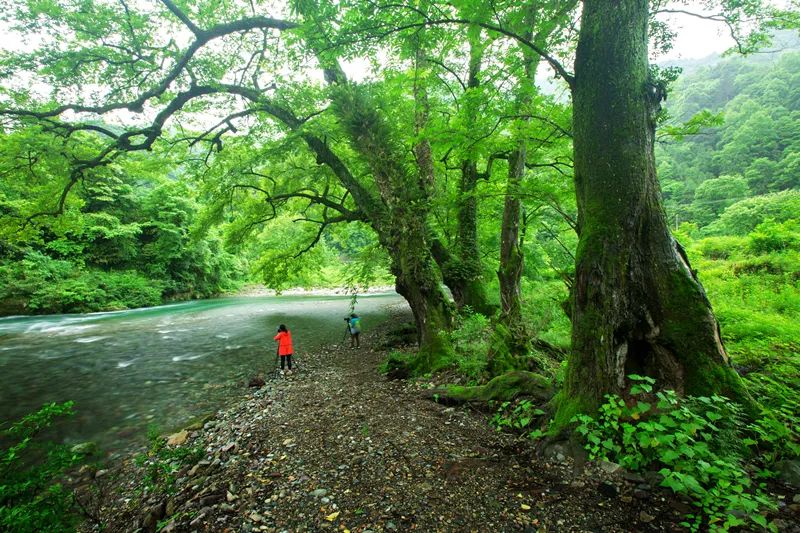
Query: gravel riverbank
337	447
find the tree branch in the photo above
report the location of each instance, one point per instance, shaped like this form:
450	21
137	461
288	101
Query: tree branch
182	17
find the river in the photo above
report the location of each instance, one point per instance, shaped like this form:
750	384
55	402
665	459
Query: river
161	366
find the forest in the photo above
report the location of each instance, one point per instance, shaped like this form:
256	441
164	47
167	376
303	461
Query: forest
570	218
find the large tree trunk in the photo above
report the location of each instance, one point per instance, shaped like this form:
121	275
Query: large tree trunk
637	305
419	282
511	258
402	227
464	276
514	334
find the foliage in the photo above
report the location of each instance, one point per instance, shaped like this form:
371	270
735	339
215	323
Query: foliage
471	342
32	498
48	285
519	415
743	216
695	443
161	462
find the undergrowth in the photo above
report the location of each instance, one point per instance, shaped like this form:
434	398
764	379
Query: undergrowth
32	498
700	446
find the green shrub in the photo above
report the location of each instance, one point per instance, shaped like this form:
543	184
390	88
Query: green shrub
471	341
744	216
696	444
47	285
771	236
519	415
721	247
31	497
543	310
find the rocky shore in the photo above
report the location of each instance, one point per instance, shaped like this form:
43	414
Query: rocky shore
338	447
260	290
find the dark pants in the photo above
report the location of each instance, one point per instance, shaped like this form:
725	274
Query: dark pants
287	359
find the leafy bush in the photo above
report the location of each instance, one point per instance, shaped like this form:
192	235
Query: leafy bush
519	415
471	340
694	443
744	216
94	290
771	236
31	498
721	247
47	285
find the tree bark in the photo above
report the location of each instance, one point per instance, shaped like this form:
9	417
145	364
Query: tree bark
512	261
403	227
637	306
511	258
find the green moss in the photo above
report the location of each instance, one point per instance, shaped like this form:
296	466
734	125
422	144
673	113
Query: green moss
566	409
505	387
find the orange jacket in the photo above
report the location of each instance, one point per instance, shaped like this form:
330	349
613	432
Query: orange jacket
284	339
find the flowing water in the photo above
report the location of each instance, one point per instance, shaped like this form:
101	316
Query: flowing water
163	365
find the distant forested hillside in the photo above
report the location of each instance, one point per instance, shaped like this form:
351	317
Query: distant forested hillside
732	192
751	149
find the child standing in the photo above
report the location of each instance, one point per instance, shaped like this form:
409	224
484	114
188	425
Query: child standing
284	338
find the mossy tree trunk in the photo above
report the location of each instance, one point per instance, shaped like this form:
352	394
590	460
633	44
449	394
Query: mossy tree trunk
511	258
513	334
637	306
402	224
398	208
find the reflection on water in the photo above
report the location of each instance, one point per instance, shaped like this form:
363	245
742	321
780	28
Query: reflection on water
160	365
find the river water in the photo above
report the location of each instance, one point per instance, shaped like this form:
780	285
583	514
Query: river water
159	366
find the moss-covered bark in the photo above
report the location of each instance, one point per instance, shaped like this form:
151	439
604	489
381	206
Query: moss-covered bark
637	306
402	224
513	334
505	387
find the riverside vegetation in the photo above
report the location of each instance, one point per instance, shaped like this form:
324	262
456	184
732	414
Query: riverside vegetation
642	301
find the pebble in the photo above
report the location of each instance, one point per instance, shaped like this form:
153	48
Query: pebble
197	520
645	517
255	517
608	467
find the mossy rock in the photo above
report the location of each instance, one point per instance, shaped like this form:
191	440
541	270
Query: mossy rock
503	388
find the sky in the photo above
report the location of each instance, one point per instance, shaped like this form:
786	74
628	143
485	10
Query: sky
697	38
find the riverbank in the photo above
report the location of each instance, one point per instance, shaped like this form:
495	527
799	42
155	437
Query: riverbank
336	446
260	290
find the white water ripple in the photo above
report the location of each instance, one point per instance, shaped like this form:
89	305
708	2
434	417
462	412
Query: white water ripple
91	339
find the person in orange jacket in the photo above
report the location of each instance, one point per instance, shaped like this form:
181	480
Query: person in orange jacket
284	338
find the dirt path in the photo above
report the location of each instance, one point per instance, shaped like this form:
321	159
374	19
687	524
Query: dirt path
338	447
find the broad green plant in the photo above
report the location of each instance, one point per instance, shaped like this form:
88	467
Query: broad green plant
693	443
519	415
